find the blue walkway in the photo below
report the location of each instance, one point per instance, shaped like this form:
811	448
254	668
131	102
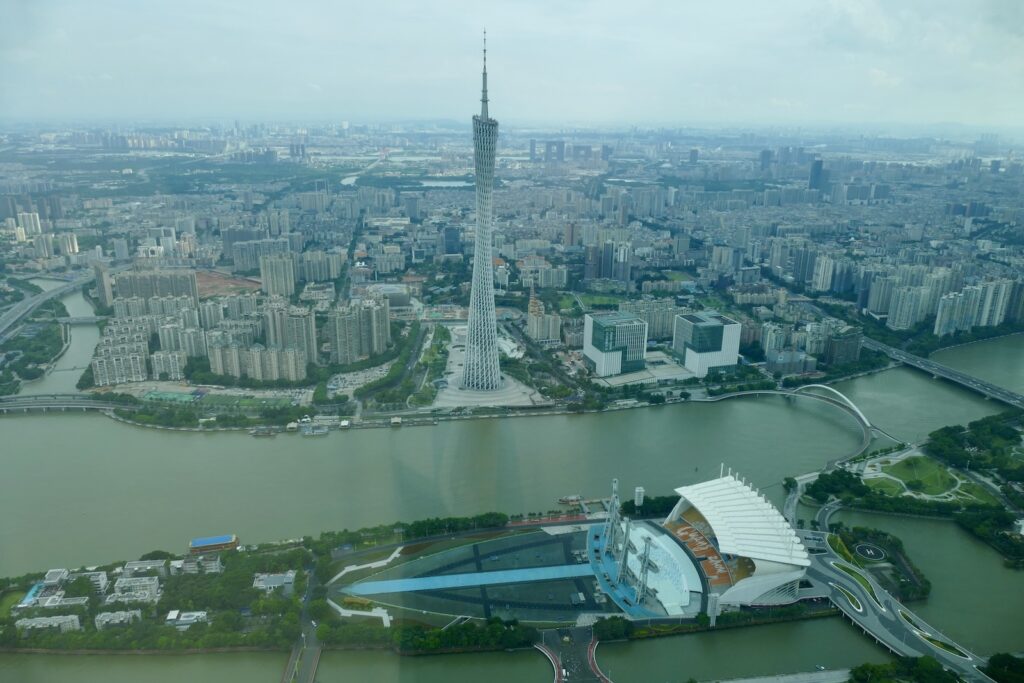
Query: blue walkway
471	580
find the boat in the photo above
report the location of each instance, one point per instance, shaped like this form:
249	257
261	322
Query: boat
345	424
570	500
262	432
313	430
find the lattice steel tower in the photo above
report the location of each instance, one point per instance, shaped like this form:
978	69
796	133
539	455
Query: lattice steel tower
481	371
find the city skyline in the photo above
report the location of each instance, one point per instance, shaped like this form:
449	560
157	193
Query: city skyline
794	64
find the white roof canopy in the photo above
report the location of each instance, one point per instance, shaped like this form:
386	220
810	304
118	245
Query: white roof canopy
744	523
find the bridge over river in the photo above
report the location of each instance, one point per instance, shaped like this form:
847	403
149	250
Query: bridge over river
986	389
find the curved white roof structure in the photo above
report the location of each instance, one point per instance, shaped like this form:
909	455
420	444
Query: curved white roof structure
744	523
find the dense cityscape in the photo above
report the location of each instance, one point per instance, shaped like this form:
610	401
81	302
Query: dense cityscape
355	390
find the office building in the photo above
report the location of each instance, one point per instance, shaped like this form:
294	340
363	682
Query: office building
706	340
614	343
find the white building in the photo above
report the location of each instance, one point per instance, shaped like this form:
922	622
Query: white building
706	340
762	561
106	619
65	622
183	620
270	582
135	589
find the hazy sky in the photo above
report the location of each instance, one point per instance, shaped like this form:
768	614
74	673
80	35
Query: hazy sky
673	62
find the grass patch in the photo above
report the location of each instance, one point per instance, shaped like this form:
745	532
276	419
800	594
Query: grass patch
861	579
851	598
948	647
9	600
978	493
886	486
922	474
840	549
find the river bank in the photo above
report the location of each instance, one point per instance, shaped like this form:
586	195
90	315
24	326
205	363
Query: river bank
375	474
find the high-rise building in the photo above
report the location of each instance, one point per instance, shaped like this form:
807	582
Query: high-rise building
706	340
614	343
30	223
907	307
481	371
150	283
359	330
277	273
300	332
104	285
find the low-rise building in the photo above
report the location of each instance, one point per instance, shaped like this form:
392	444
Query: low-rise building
135	589
123	618
183	620
271	582
145	567
64	622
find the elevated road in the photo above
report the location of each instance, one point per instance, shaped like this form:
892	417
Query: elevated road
18	311
880	615
986	389
57	402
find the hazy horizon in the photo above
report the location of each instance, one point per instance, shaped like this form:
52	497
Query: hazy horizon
840	64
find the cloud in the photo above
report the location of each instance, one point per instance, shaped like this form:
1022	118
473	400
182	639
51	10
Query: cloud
883	79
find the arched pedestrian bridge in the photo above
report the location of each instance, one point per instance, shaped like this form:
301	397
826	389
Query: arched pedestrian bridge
819	392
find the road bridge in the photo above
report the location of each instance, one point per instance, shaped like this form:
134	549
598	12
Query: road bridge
986	389
863	600
23	308
58	402
82	319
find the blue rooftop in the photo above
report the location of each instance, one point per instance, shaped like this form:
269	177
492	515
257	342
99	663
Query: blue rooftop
211	540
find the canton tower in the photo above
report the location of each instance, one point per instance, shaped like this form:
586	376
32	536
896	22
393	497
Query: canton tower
480	370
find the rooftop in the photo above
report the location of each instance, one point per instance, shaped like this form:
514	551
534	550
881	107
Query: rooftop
744	523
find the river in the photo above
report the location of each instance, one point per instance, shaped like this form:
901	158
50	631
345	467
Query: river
90	490
84	337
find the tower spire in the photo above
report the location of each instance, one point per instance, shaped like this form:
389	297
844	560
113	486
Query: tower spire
483	97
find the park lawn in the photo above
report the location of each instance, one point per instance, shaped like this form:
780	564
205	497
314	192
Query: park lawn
886	486
979	493
934	477
676	275
9	600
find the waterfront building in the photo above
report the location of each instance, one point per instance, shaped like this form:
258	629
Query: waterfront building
761	558
706	340
104	285
123	618
844	346
907	307
183	620
481	371
614	343
64	623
